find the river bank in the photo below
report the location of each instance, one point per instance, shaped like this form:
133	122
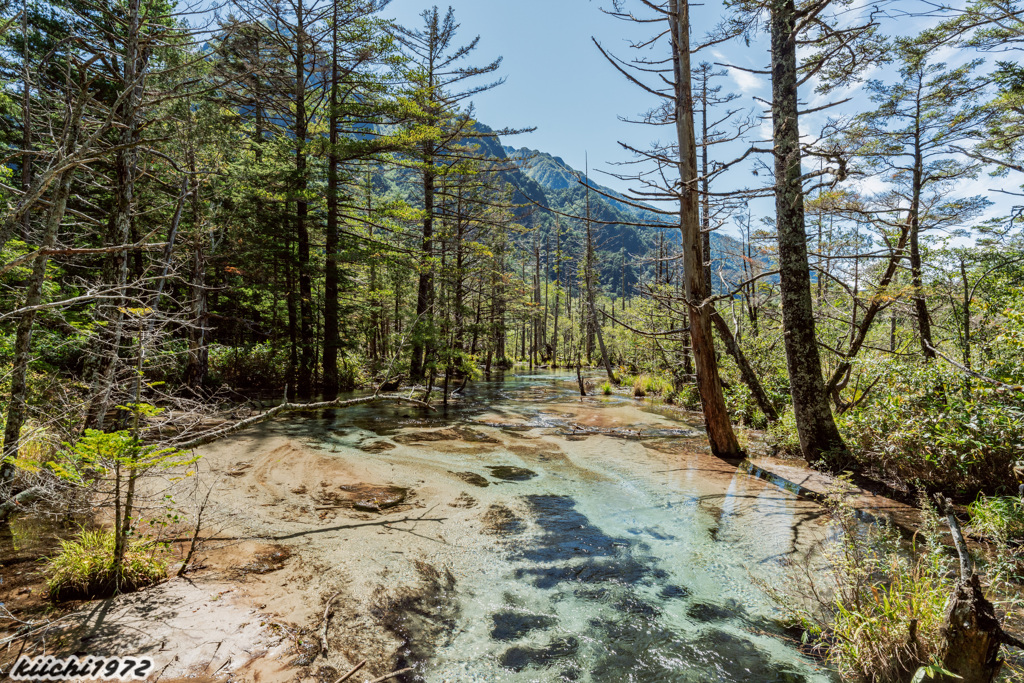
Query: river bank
526	535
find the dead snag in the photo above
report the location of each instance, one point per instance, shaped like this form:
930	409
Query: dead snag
971	634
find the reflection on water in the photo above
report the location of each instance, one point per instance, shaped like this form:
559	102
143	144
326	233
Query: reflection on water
621	550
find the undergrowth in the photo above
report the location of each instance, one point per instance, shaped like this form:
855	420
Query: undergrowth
877	610
85	569
877	613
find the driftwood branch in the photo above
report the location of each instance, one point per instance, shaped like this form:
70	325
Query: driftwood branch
31	256
352	672
26	496
1008	639
946	508
327	618
391	675
292	408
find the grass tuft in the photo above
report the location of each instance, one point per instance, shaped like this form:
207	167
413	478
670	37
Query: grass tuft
1000	518
84	568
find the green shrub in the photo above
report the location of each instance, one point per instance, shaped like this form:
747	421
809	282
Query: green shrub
1000	518
927	422
688	397
606	388
644	384
259	366
782	436
882	620
84	568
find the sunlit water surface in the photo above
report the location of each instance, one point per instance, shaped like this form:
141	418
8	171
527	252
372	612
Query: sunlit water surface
635	557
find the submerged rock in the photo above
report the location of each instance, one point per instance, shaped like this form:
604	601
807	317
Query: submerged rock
706	611
518	658
369	498
423	616
269	560
463	501
427	436
501	521
473	436
515	625
510	473
472	478
669	592
376	446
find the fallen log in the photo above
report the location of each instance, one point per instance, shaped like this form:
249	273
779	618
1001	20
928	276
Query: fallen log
12	503
293	408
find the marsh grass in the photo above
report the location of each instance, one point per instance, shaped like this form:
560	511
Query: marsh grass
876	611
999	518
645	384
85	567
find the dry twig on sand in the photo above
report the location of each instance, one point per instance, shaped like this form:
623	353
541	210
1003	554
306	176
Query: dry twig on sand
327	617
352	672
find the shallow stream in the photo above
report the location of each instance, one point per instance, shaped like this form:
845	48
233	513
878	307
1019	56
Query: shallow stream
614	547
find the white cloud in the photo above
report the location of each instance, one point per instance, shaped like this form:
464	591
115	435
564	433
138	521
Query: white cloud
746	82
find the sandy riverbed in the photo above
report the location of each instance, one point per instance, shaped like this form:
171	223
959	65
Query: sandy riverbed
292	526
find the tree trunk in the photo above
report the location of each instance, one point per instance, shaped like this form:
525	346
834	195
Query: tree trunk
815	425
747	373
967	314
115	271
594	323
424	293
558	289
304	388
971	633
924	325
716	416
198	351
331	338
17	408
26	119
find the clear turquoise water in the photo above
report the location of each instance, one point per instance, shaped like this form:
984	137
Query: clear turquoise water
623	562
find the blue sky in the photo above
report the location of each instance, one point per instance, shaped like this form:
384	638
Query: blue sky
558	81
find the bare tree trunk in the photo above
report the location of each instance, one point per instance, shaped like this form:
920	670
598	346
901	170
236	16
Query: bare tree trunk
815	425
26	119
198	351
971	633
716	416
115	271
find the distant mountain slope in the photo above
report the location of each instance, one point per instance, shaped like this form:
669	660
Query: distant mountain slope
627	238
565	193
